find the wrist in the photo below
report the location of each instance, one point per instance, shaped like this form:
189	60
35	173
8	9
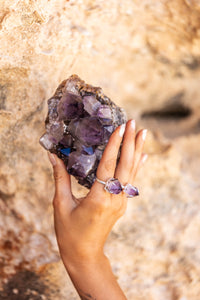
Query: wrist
86	264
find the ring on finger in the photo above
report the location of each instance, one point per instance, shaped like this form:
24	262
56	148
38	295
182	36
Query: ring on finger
113	186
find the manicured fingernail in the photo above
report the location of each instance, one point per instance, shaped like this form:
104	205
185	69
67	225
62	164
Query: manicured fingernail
122	129
144	158
133	124
52	158
144	134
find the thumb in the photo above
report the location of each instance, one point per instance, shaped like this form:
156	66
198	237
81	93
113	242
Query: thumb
62	180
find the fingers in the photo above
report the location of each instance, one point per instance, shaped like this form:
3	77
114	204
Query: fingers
142	160
126	161
131	154
131	157
139	145
62	182
107	165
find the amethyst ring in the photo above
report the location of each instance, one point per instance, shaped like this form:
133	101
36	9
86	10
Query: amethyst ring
113	186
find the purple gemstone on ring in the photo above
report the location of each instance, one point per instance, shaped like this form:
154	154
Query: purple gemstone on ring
131	190
113	186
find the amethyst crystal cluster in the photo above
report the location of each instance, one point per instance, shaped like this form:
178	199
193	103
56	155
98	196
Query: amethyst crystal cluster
79	123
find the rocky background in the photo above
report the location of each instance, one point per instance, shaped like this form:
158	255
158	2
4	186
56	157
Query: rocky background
146	57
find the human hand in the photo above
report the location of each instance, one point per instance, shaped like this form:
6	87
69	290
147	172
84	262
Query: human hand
83	225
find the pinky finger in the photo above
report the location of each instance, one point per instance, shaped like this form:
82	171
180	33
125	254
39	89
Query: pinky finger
143	159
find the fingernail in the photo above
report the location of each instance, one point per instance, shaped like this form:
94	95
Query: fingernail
133	124
122	129
144	134
52	158
144	158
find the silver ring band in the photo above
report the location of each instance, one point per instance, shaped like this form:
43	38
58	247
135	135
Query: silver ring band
103	182
100	181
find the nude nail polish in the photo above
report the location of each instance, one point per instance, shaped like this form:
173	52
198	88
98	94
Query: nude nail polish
52	158
144	158
122	129
133	124
144	134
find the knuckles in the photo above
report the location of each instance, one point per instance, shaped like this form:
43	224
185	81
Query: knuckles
58	204
109	205
55	202
101	204
57	176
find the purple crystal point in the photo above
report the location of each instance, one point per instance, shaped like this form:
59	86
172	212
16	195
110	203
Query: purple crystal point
70	107
131	190
91	104
80	164
79	123
83	149
66	140
47	141
52	110
113	186
105	114
56	130
88	130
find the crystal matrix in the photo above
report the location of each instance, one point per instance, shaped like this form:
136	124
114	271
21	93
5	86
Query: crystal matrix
79	123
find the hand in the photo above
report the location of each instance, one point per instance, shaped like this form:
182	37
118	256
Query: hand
83	225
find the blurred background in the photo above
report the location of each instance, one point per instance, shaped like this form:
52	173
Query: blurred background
145	54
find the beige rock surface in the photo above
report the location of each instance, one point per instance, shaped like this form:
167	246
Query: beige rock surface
146	57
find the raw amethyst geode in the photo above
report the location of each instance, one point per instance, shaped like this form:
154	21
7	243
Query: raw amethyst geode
79	123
